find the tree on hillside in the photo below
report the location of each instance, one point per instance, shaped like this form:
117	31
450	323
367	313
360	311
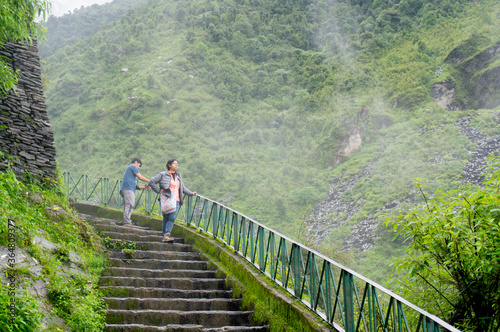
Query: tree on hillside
17	23
453	261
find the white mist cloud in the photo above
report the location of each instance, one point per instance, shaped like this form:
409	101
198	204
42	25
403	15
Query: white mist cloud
61	7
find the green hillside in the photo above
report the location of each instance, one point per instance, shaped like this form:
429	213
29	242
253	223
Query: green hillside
265	103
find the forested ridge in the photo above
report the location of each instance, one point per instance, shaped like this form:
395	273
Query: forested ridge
268	104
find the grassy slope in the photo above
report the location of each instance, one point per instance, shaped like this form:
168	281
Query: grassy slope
41	209
268	154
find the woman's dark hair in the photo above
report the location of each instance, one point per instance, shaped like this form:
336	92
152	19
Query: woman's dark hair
169	163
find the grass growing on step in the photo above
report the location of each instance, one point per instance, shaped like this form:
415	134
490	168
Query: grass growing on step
119	244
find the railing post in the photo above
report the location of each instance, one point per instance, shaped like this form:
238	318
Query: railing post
252	241
272	255
215	220
236	242
189	208
328	290
296	270
228	227
348	282
106	191
84	188
312	280
262	248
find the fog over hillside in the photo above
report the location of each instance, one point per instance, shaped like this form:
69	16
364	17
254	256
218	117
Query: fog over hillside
61	7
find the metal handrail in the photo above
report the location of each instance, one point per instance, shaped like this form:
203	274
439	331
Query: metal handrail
326	287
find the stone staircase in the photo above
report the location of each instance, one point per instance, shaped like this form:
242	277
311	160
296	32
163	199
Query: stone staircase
165	286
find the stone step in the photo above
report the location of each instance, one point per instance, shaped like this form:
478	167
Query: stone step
150	292
102	222
151	328
161	246
114	228
131	303
158	264
136	237
182	328
211	318
264	328
148	273
157	255
180	283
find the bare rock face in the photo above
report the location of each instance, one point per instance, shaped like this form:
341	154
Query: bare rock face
487	88
352	138
477	76
352	143
444	94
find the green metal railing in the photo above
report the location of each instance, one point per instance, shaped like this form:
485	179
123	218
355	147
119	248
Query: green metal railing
343	298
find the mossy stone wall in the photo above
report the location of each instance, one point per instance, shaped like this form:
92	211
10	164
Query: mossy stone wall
25	131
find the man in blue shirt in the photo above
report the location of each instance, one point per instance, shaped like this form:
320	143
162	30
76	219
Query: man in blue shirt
128	187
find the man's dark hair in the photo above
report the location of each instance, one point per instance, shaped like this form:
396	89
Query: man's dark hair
136	159
169	163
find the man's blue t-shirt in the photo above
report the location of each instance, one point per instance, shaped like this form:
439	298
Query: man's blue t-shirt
129	179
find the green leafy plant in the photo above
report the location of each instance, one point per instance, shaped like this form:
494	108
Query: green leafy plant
129	253
453	253
119	244
25	317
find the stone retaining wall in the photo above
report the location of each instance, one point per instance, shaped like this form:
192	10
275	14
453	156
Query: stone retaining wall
25	131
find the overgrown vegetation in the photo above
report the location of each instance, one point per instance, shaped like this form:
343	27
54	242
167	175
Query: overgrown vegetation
454	241
70	271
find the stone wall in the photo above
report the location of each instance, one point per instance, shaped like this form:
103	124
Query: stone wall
25	131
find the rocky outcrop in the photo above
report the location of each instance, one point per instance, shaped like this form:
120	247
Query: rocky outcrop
443	93
350	138
486	89
25	131
476	78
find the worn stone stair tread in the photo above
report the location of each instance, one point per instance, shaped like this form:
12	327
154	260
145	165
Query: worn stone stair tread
125	228
207	318
153	328
166	279
185	304
184	283
143	292
236	328
133	236
155	273
183	328
130	231
156	260
159	264
156	255
158	245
